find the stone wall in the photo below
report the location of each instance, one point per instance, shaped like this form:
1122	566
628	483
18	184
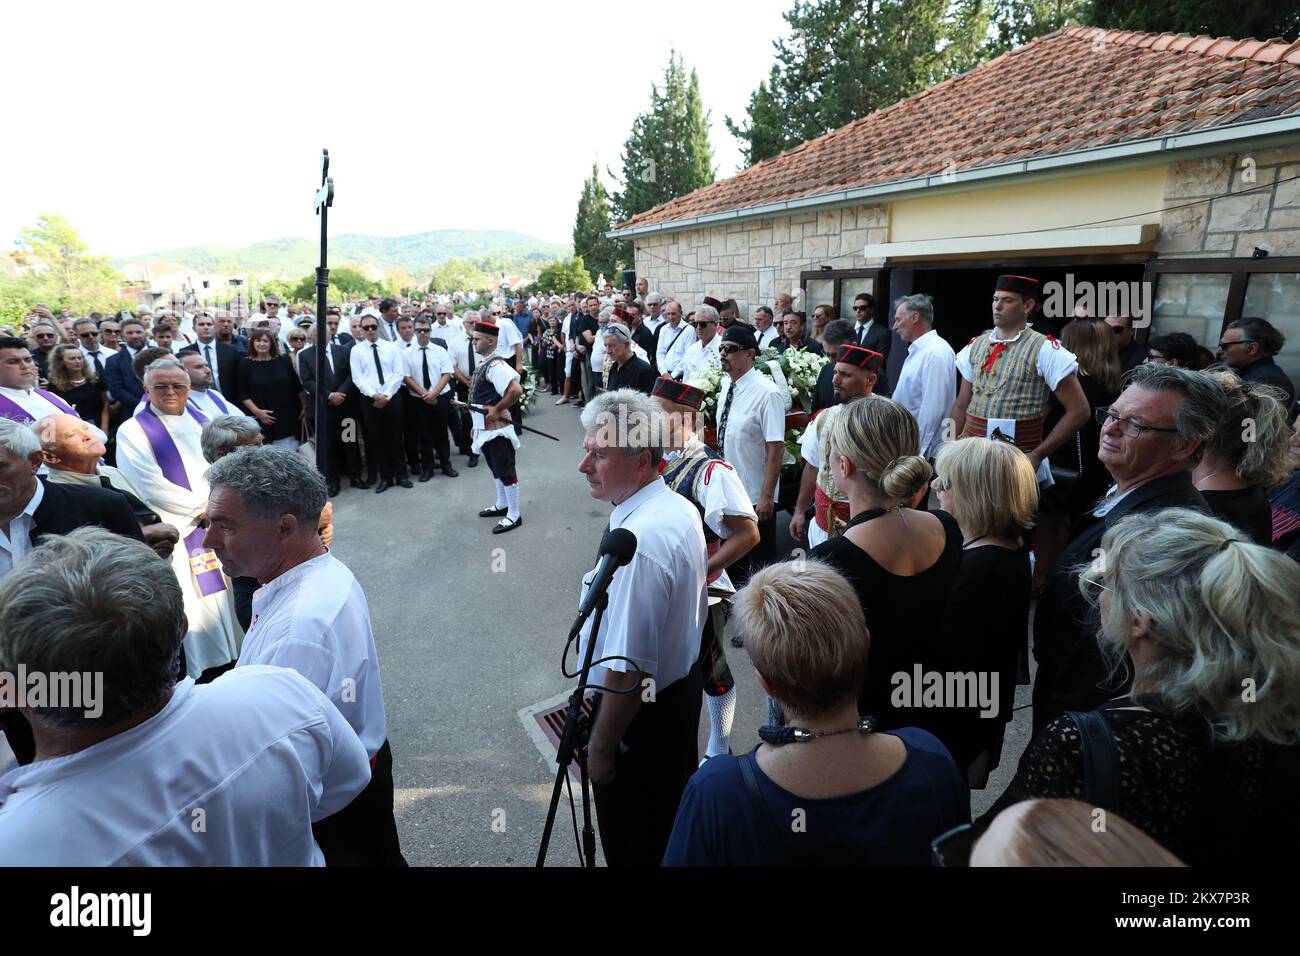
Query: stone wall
751	261
1253	206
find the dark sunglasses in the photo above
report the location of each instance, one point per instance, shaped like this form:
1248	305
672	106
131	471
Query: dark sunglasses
861	308
369	328
86	335
731	348
1224	345
704	322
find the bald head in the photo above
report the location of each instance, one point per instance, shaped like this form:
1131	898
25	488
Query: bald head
68	443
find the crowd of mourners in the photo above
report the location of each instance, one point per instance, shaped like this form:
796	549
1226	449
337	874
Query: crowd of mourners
1111	518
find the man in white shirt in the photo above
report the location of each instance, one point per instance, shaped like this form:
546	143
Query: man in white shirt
927	383
378	372
751	436
654	304
703	352
124	776
204	398
460	346
88	341
598	349
641	753
405	333
160	451
674	337
429	371
310	615
510	343
765	329
493	390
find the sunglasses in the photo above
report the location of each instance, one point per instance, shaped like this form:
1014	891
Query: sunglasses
86	335
731	348
861	308
704	322
164	387
369	328
1222	345
43	335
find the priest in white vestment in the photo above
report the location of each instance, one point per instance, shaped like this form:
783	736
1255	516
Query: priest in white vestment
159	451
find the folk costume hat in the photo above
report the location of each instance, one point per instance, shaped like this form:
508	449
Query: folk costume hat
716	303
487	328
678	392
1021	285
862	358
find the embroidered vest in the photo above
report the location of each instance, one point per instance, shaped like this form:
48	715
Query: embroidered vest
683	475
1006	383
483	392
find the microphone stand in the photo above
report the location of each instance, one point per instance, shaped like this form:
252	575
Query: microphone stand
573	740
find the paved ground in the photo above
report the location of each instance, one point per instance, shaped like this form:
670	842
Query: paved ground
470	627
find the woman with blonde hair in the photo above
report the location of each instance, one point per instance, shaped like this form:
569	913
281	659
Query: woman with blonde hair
1247	454
1065	833
1203	752
901	562
990	488
863	798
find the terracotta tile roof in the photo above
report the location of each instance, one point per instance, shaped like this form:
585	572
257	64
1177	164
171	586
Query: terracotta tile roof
1078	88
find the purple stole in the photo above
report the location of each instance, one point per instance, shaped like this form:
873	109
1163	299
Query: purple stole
12	410
203	561
194	409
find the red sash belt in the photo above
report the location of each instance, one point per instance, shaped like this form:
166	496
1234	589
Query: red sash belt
1029	431
823	504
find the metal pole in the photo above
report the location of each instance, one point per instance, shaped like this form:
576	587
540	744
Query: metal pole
324	199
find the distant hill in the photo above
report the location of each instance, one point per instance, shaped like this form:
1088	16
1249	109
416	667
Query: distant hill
416	254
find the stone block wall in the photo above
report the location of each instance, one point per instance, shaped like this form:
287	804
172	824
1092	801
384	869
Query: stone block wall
751	261
1250	204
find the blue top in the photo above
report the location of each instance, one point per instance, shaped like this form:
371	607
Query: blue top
891	824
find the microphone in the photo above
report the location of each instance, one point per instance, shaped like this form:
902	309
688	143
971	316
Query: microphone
616	550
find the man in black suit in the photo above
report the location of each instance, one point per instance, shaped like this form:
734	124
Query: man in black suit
30	508
871	334
794	332
1152	435
837	332
1247	346
123	384
341	407
333	315
222	359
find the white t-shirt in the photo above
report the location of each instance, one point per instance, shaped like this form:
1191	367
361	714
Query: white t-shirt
254	757
699	355
658	601
508	338
756	417
314	618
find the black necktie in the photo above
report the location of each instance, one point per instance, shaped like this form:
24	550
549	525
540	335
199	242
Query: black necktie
99	367
862	337
722	422
207	357
379	366
424	363
471	361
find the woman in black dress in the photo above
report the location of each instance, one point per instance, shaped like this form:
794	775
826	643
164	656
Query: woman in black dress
902	562
1247	455
269	389
554	354
74	381
1202	760
990	488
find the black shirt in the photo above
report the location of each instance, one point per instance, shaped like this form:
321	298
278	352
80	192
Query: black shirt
636	373
87	398
1246	509
1266	372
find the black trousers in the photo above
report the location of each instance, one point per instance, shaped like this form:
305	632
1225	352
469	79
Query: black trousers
343	453
364	833
461	423
384	428
427	425
499	453
637	809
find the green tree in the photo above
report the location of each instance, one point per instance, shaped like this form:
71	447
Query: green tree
763	133
563	276
1019	21
59	270
457	274
350	281
590	243
1261	19
667	153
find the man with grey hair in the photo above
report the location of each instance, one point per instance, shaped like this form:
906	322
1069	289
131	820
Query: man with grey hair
623	367
160	451
703	352
131	760
643	746
1151	436
264	507
927	384
653	318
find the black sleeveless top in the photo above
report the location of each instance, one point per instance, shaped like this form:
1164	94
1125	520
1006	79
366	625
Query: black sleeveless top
904	615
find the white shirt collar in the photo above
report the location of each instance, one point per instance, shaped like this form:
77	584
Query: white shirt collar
624	510
17	392
995	337
292	575
37	497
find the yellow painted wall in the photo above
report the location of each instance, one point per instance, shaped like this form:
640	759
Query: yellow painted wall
1060	203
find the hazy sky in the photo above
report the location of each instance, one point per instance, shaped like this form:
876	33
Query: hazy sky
153	125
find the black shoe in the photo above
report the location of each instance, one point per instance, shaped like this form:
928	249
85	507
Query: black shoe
449	471
384	485
404	481
505	524
426	475
493	512
473	461
361	483
332	487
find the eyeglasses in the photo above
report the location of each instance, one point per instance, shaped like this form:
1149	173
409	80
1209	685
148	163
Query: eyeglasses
731	348
1126	425
164	387
861	308
369	328
1093	587
1224	345
953	847
938	484
703	322
86	335
43	335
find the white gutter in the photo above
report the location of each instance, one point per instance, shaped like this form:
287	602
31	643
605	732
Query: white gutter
1143	151
1108	237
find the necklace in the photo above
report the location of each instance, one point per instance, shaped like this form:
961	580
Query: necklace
800	735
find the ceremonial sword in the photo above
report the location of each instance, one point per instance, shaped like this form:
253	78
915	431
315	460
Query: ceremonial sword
482	409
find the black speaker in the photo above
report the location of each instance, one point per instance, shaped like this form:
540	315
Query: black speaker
629	279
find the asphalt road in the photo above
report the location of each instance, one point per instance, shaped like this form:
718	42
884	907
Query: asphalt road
470	627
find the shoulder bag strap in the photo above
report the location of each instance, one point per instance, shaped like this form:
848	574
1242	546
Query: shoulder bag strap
783	831
1100	759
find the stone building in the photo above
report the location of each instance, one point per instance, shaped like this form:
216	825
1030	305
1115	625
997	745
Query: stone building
1163	166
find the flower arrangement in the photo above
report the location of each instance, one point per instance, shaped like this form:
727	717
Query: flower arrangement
709	380
528	381
800	370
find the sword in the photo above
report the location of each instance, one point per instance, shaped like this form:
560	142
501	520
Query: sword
482	409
